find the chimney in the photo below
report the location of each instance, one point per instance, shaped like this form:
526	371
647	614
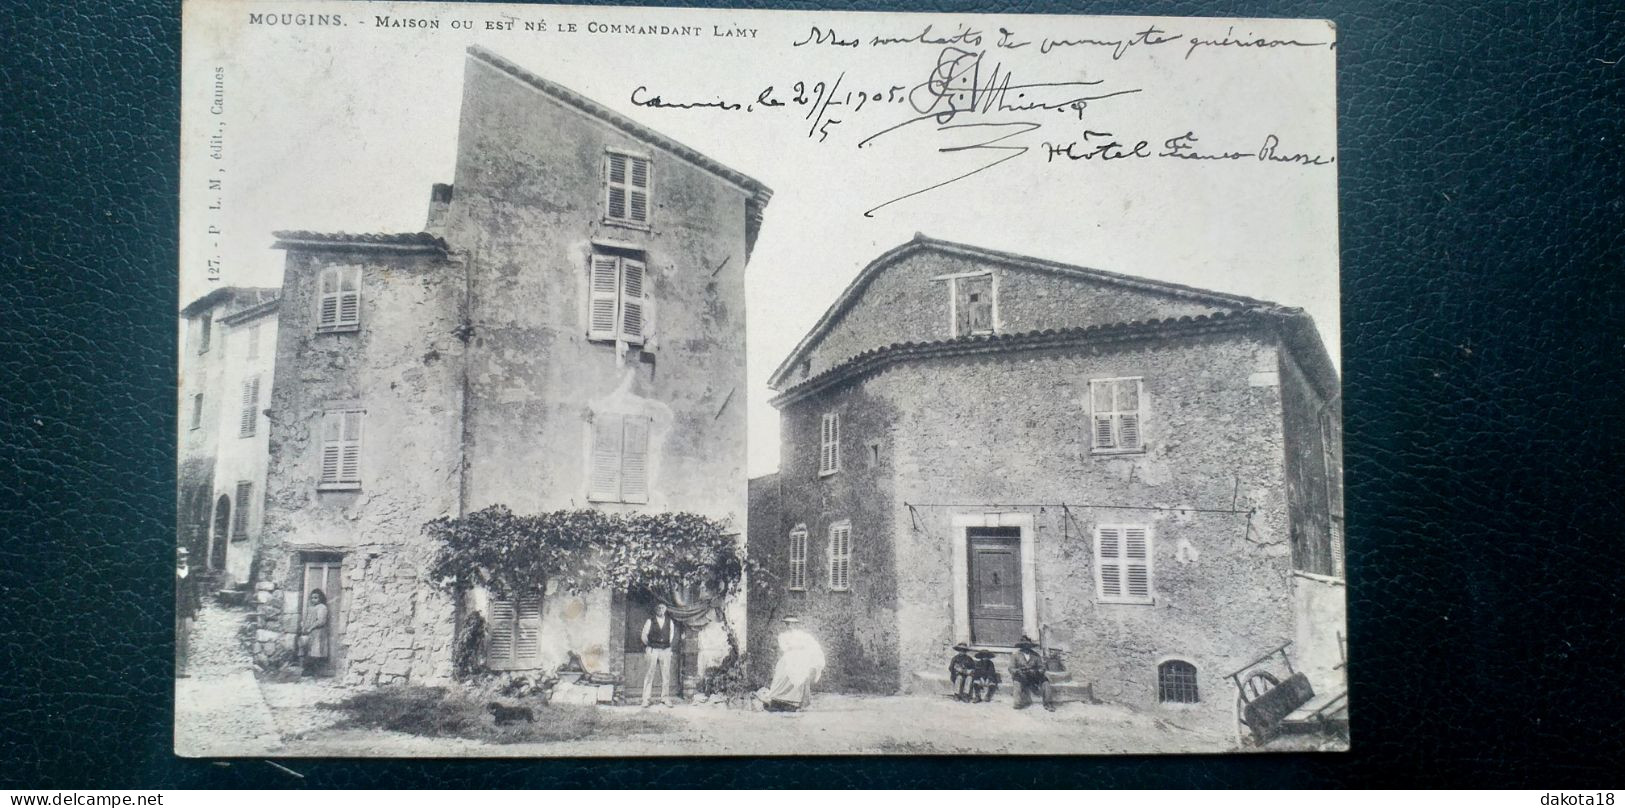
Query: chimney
439	204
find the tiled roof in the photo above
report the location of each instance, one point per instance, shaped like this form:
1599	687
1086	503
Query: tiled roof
877	359
392	242
245	295
760	194
257	310
921	243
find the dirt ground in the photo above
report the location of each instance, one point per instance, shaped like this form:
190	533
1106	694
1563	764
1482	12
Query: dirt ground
224	710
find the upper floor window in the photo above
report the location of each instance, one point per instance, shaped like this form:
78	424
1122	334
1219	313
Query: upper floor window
1176	682
341	449
340	299
627	183
197	411
620	299
620	459
250	416
829	444
1123	563
973	305
205	325
840	556
1118	414
798	558
254	341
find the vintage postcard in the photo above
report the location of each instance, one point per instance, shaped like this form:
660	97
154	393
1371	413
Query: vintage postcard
591	381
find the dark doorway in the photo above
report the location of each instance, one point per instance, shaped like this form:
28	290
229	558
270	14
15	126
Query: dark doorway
995	585
640	606
222	529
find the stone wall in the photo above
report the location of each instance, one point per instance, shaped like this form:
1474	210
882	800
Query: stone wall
403	369
1307	469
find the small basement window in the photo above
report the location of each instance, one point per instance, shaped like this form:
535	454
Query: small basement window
1176	682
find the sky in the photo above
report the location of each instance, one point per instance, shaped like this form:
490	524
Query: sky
346	127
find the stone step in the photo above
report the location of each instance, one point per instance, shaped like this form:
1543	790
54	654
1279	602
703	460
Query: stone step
929	682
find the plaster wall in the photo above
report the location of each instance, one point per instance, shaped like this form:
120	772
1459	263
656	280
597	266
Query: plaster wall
239	458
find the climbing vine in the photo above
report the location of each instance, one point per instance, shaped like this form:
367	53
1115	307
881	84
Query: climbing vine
584	549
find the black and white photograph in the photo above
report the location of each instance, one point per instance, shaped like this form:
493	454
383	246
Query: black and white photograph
565	381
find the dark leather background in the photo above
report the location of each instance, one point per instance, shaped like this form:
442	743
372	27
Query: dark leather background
1481	225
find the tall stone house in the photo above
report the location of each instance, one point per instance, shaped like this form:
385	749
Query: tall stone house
227	357
978	445
568	331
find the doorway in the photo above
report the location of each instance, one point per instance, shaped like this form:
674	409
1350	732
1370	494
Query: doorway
640	606
222	529
995	585
322	571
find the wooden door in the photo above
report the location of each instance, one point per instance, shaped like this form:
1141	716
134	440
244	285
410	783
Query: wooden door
324	572
995	585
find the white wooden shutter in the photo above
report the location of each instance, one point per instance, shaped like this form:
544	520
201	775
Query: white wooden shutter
829	444
604	482
1137	563
632	301
1128	413
328	310
840	556
527	641
250	414
605	286
499	653
332	431
638	192
1109	562
254	342
350	455
617	186
350	297
798	557
635	459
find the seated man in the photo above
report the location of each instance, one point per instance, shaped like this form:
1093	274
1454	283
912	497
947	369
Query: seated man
959	672
800	665
1027	672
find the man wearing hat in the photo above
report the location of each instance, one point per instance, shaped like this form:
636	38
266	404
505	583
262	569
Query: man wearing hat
959	671
1027	671
984	678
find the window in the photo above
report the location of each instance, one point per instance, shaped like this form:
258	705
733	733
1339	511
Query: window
620	458
254	342
341	449
1176	682
829	444
205	325
340	299
972	305
620	299
1123	563
627	179
798	558
1117	414
239	527
515	632
251	403
840	556
197	411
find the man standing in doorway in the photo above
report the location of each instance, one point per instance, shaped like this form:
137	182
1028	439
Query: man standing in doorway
657	637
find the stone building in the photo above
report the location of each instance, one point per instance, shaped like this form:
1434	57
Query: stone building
978	445
213	366
568	331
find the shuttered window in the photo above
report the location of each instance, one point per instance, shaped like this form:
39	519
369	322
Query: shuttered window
829	444
1123	563
249	418
620	459
628	182
239	527
515	632
798	558
1117	415
254	342
341	449
619	299
205	326
973	305
840	556
197	411
339	307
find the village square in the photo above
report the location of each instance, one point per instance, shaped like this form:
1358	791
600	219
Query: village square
480	488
